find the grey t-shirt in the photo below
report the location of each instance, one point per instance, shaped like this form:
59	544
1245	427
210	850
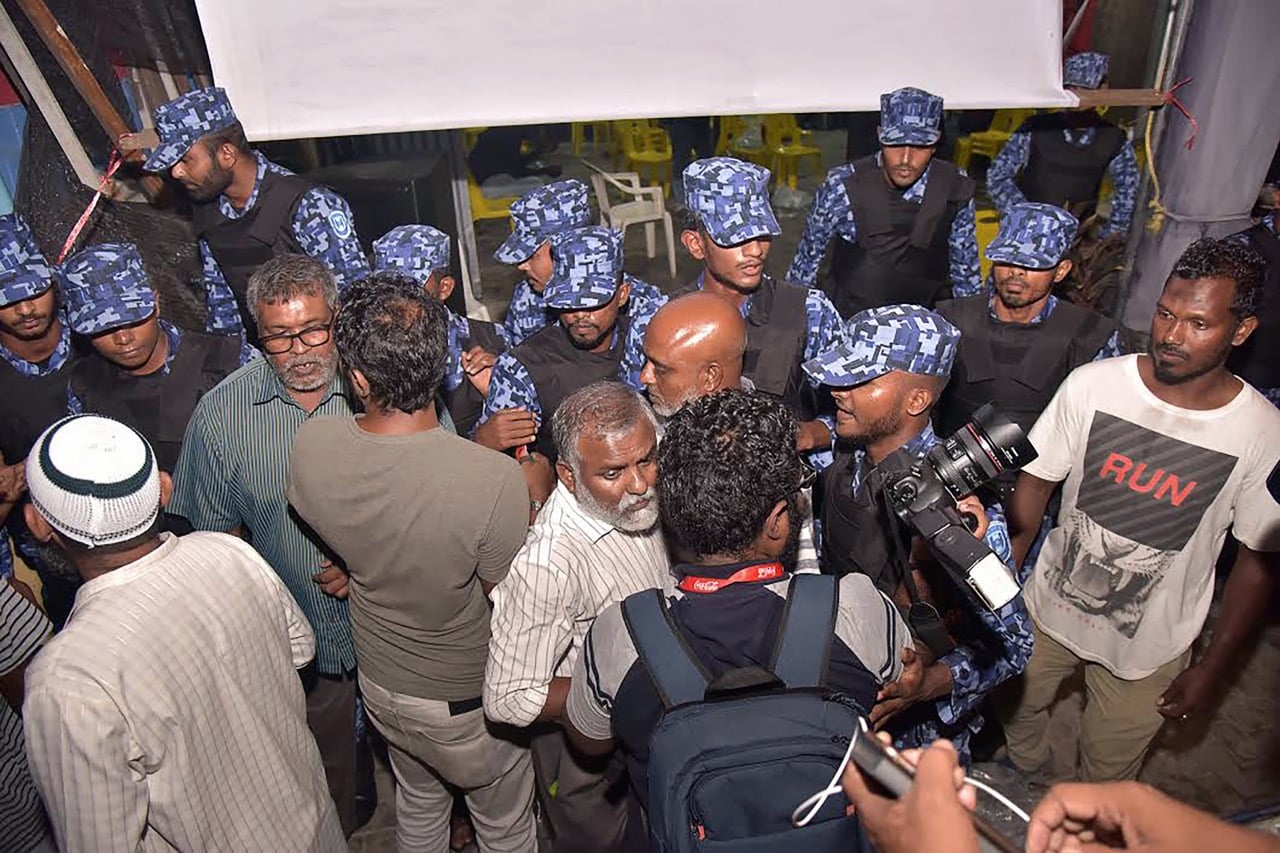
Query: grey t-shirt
419	521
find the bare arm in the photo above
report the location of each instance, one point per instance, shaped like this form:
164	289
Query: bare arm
1025	511
1129	815
11	685
1244	604
583	744
553	708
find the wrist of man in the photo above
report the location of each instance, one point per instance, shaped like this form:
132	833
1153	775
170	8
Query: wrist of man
938	681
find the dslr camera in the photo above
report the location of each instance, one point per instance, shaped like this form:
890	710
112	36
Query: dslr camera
923	493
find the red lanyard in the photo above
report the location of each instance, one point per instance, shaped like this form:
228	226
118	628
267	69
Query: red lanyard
751	574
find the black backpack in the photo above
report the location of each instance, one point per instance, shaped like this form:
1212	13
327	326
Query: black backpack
732	757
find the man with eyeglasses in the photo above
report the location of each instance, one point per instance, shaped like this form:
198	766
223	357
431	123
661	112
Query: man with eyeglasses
885	383
233	470
729	227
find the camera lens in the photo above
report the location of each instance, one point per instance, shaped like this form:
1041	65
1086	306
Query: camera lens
988	445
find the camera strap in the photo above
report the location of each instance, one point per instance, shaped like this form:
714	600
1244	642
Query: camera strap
922	617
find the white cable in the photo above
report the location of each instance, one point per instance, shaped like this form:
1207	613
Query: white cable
815	802
818	800
1001	798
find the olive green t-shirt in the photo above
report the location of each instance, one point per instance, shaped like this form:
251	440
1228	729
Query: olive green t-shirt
419	520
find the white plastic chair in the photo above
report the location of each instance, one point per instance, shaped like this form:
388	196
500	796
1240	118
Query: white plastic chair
646	207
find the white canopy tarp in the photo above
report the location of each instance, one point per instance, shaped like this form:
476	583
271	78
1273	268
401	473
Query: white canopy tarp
304	68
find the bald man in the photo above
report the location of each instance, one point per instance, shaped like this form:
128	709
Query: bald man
693	347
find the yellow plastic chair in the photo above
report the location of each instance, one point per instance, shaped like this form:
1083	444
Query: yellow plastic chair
647	150
987	143
601	136
987	225
731	143
730	127
788	144
487	208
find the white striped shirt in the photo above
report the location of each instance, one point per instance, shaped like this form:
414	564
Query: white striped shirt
23	628
571	567
168	713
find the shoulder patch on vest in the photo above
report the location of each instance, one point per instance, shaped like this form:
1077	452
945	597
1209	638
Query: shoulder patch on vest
340	223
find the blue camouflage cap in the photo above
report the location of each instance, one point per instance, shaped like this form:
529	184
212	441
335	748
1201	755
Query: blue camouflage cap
1033	235
1085	70
881	340
910	117
186	118
24	273
540	213
106	286
731	199
415	250
587	268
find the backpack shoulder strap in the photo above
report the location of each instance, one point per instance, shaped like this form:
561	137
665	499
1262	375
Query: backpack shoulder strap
677	675
808	628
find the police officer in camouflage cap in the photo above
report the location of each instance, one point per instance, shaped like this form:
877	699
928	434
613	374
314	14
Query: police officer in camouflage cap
246	208
594	339
729	227
36	356
1062	157
886	381
144	371
1021	341
423	252
902	221
536	217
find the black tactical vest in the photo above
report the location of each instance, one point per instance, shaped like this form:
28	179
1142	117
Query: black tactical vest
465	402
28	406
855	530
777	331
901	254
1017	366
1258	361
158	405
242	245
31	404
558	368
1067	175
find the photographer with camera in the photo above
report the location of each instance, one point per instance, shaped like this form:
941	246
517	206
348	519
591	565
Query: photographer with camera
885	382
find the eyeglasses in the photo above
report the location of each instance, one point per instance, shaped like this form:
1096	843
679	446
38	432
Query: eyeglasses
312	336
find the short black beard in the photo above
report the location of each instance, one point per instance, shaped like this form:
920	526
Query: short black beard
212	186
592	344
791	552
28	337
1181	379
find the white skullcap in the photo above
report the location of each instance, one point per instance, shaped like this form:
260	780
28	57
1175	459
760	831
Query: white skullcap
94	480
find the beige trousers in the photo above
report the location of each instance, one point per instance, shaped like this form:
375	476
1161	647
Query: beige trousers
431	749
1120	717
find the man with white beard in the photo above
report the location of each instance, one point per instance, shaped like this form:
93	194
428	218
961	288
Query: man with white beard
596	541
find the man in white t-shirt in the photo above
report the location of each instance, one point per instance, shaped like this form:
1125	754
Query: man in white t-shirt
1161	454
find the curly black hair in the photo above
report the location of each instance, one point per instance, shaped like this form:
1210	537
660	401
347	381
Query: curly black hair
1227	259
724	463
397	335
